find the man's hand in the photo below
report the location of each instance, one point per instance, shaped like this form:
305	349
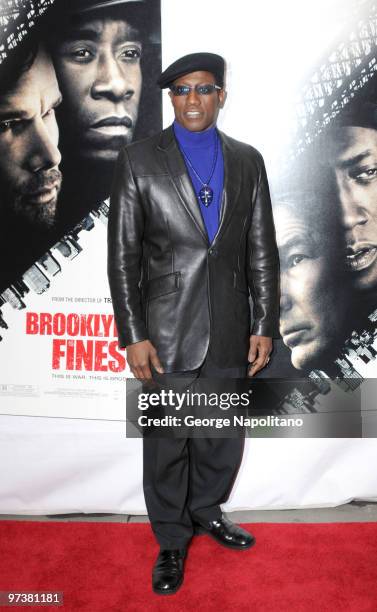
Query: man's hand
140	357
259	353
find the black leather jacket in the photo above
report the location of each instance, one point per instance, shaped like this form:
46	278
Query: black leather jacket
168	284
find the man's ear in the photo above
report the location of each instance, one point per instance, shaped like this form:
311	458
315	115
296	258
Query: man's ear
222	98
171	96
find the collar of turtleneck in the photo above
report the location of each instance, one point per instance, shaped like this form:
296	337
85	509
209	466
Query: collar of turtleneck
186	138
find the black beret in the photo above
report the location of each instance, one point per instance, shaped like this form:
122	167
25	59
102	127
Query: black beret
208	62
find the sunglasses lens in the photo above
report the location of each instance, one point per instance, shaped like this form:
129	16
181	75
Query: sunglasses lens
205	90
180	90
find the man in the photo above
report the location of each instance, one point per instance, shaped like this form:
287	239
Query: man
313	320
351	153
190	233
29	157
97	48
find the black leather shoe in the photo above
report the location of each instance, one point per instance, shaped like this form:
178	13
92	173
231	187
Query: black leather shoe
228	534
167	574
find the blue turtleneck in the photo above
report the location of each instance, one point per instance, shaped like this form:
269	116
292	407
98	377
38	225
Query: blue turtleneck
200	148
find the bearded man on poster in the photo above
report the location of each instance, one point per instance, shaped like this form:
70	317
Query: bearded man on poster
30	178
190	235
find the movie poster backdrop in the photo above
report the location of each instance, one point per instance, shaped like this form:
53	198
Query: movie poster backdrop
95	65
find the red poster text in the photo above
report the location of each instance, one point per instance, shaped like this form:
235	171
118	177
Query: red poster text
83	347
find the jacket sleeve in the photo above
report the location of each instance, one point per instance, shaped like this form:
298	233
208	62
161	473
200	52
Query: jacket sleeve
263	261
125	238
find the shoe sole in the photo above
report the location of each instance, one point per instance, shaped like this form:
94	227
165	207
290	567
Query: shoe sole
170	591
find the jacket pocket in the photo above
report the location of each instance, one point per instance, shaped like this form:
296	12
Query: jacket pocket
240	283
162	285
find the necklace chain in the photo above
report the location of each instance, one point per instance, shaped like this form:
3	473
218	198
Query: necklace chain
204	184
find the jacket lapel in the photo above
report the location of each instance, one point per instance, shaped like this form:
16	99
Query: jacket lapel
232	183
177	171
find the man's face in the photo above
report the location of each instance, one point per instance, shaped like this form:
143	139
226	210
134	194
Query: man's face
29	155
98	68
195	112
353	157
309	319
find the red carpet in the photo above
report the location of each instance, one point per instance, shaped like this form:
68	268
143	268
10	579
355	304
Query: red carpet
106	567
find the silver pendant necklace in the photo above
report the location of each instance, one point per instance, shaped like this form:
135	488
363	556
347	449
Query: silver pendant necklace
206	192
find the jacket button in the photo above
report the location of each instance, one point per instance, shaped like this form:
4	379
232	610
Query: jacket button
212	251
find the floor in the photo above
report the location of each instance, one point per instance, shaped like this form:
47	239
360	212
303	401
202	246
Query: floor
352	512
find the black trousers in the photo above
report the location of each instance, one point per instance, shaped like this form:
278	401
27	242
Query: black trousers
186	479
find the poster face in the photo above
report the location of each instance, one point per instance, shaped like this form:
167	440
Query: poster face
304	95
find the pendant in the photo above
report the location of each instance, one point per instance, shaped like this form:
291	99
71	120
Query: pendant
206	195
